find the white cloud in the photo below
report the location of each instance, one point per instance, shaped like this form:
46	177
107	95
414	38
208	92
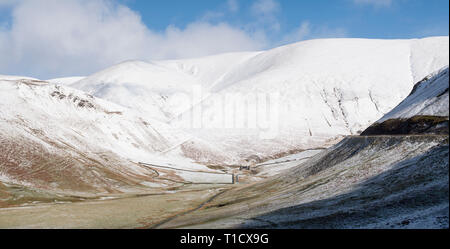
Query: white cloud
8	3
377	3
54	38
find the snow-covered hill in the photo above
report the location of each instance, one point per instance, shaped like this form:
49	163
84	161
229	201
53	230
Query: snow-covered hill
425	110
318	90
57	138
236	108
140	125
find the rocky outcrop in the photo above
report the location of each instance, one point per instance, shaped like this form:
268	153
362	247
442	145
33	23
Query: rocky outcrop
414	126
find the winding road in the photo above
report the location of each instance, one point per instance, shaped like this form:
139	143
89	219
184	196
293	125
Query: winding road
228	181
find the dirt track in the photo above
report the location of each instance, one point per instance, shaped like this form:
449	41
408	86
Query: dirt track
188	211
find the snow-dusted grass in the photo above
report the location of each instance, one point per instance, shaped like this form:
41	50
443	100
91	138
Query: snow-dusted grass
277	166
373	182
53	136
129	211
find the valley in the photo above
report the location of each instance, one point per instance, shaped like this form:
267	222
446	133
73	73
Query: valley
326	133
334	189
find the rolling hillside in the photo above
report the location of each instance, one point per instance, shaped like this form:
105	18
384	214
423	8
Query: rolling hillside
314	92
377	180
55	138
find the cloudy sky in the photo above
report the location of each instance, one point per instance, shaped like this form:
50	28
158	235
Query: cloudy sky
55	38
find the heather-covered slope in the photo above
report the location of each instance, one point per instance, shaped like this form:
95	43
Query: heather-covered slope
362	182
55	138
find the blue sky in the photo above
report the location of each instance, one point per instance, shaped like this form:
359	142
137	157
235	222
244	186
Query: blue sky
367	19
54	38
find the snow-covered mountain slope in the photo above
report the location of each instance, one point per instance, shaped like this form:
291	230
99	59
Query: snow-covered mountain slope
57	138
315	91
429	97
425	110
157	89
146	87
